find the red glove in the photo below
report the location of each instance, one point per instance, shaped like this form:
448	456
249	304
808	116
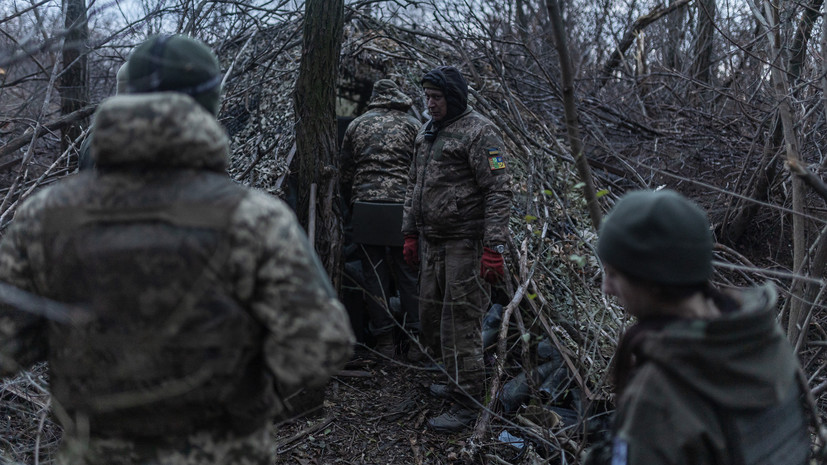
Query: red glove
410	251
491	266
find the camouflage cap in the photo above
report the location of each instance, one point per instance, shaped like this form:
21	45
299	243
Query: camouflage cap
660	236
176	63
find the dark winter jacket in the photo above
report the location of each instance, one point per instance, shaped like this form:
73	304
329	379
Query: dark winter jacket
714	392
459	185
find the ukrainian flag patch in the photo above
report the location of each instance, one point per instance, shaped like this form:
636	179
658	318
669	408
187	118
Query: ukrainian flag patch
495	160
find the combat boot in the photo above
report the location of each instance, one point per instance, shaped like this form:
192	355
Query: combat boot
441	391
414	354
457	418
385	345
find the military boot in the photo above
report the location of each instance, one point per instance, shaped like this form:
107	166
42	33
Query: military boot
457	418
385	345
441	391
414	354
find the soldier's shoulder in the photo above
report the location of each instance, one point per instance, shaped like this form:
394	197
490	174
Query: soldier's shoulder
475	125
476	118
61	193
413	121
367	119
259	209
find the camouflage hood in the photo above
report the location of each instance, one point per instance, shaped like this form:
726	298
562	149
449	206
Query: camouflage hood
164	130
387	95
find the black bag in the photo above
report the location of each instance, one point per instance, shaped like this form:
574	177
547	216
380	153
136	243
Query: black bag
376	223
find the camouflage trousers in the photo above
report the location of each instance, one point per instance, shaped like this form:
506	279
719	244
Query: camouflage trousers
453	299
202	448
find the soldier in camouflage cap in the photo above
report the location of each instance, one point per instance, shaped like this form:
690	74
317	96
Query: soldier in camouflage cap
203	305
457	207
706	376
376	156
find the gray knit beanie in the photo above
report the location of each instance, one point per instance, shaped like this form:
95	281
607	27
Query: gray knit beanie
660	236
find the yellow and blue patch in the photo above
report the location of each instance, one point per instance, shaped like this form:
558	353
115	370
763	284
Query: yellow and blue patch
495	160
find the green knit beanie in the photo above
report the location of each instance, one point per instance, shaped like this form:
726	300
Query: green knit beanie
121	79
659	236
176	63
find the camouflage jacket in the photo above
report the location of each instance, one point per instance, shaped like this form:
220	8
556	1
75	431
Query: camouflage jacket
141	246
720	391
459	185
377	150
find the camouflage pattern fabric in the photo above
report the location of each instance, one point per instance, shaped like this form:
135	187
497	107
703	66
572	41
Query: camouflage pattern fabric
376	155
378	147
459	185
453	301
160	153
196	449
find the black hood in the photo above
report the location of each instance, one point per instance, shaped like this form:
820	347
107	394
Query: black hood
453	85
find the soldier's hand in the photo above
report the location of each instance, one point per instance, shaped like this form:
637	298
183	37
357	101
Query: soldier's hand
410	251
491	266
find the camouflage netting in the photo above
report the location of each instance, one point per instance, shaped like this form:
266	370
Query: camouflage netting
258	109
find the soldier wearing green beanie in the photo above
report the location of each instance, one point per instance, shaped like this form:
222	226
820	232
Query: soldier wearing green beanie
705	376
658	236
205	306
176	63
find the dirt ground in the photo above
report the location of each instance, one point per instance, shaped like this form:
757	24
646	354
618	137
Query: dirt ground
375	412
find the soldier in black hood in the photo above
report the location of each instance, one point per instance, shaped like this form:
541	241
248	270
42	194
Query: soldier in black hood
457	206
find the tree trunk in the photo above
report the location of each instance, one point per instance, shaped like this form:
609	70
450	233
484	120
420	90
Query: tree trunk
702	66
629	37
743	211
783	95
675	26
570	107
315	106
802	35
73	87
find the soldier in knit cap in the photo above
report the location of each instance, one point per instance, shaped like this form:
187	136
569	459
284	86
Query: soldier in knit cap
204	306
455	224
705	376
376	156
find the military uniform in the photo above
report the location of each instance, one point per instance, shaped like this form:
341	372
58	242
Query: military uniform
706	377
376	156
720	391
203	303
458	201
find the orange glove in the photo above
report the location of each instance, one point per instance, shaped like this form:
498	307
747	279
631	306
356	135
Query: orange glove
491	266
410	251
